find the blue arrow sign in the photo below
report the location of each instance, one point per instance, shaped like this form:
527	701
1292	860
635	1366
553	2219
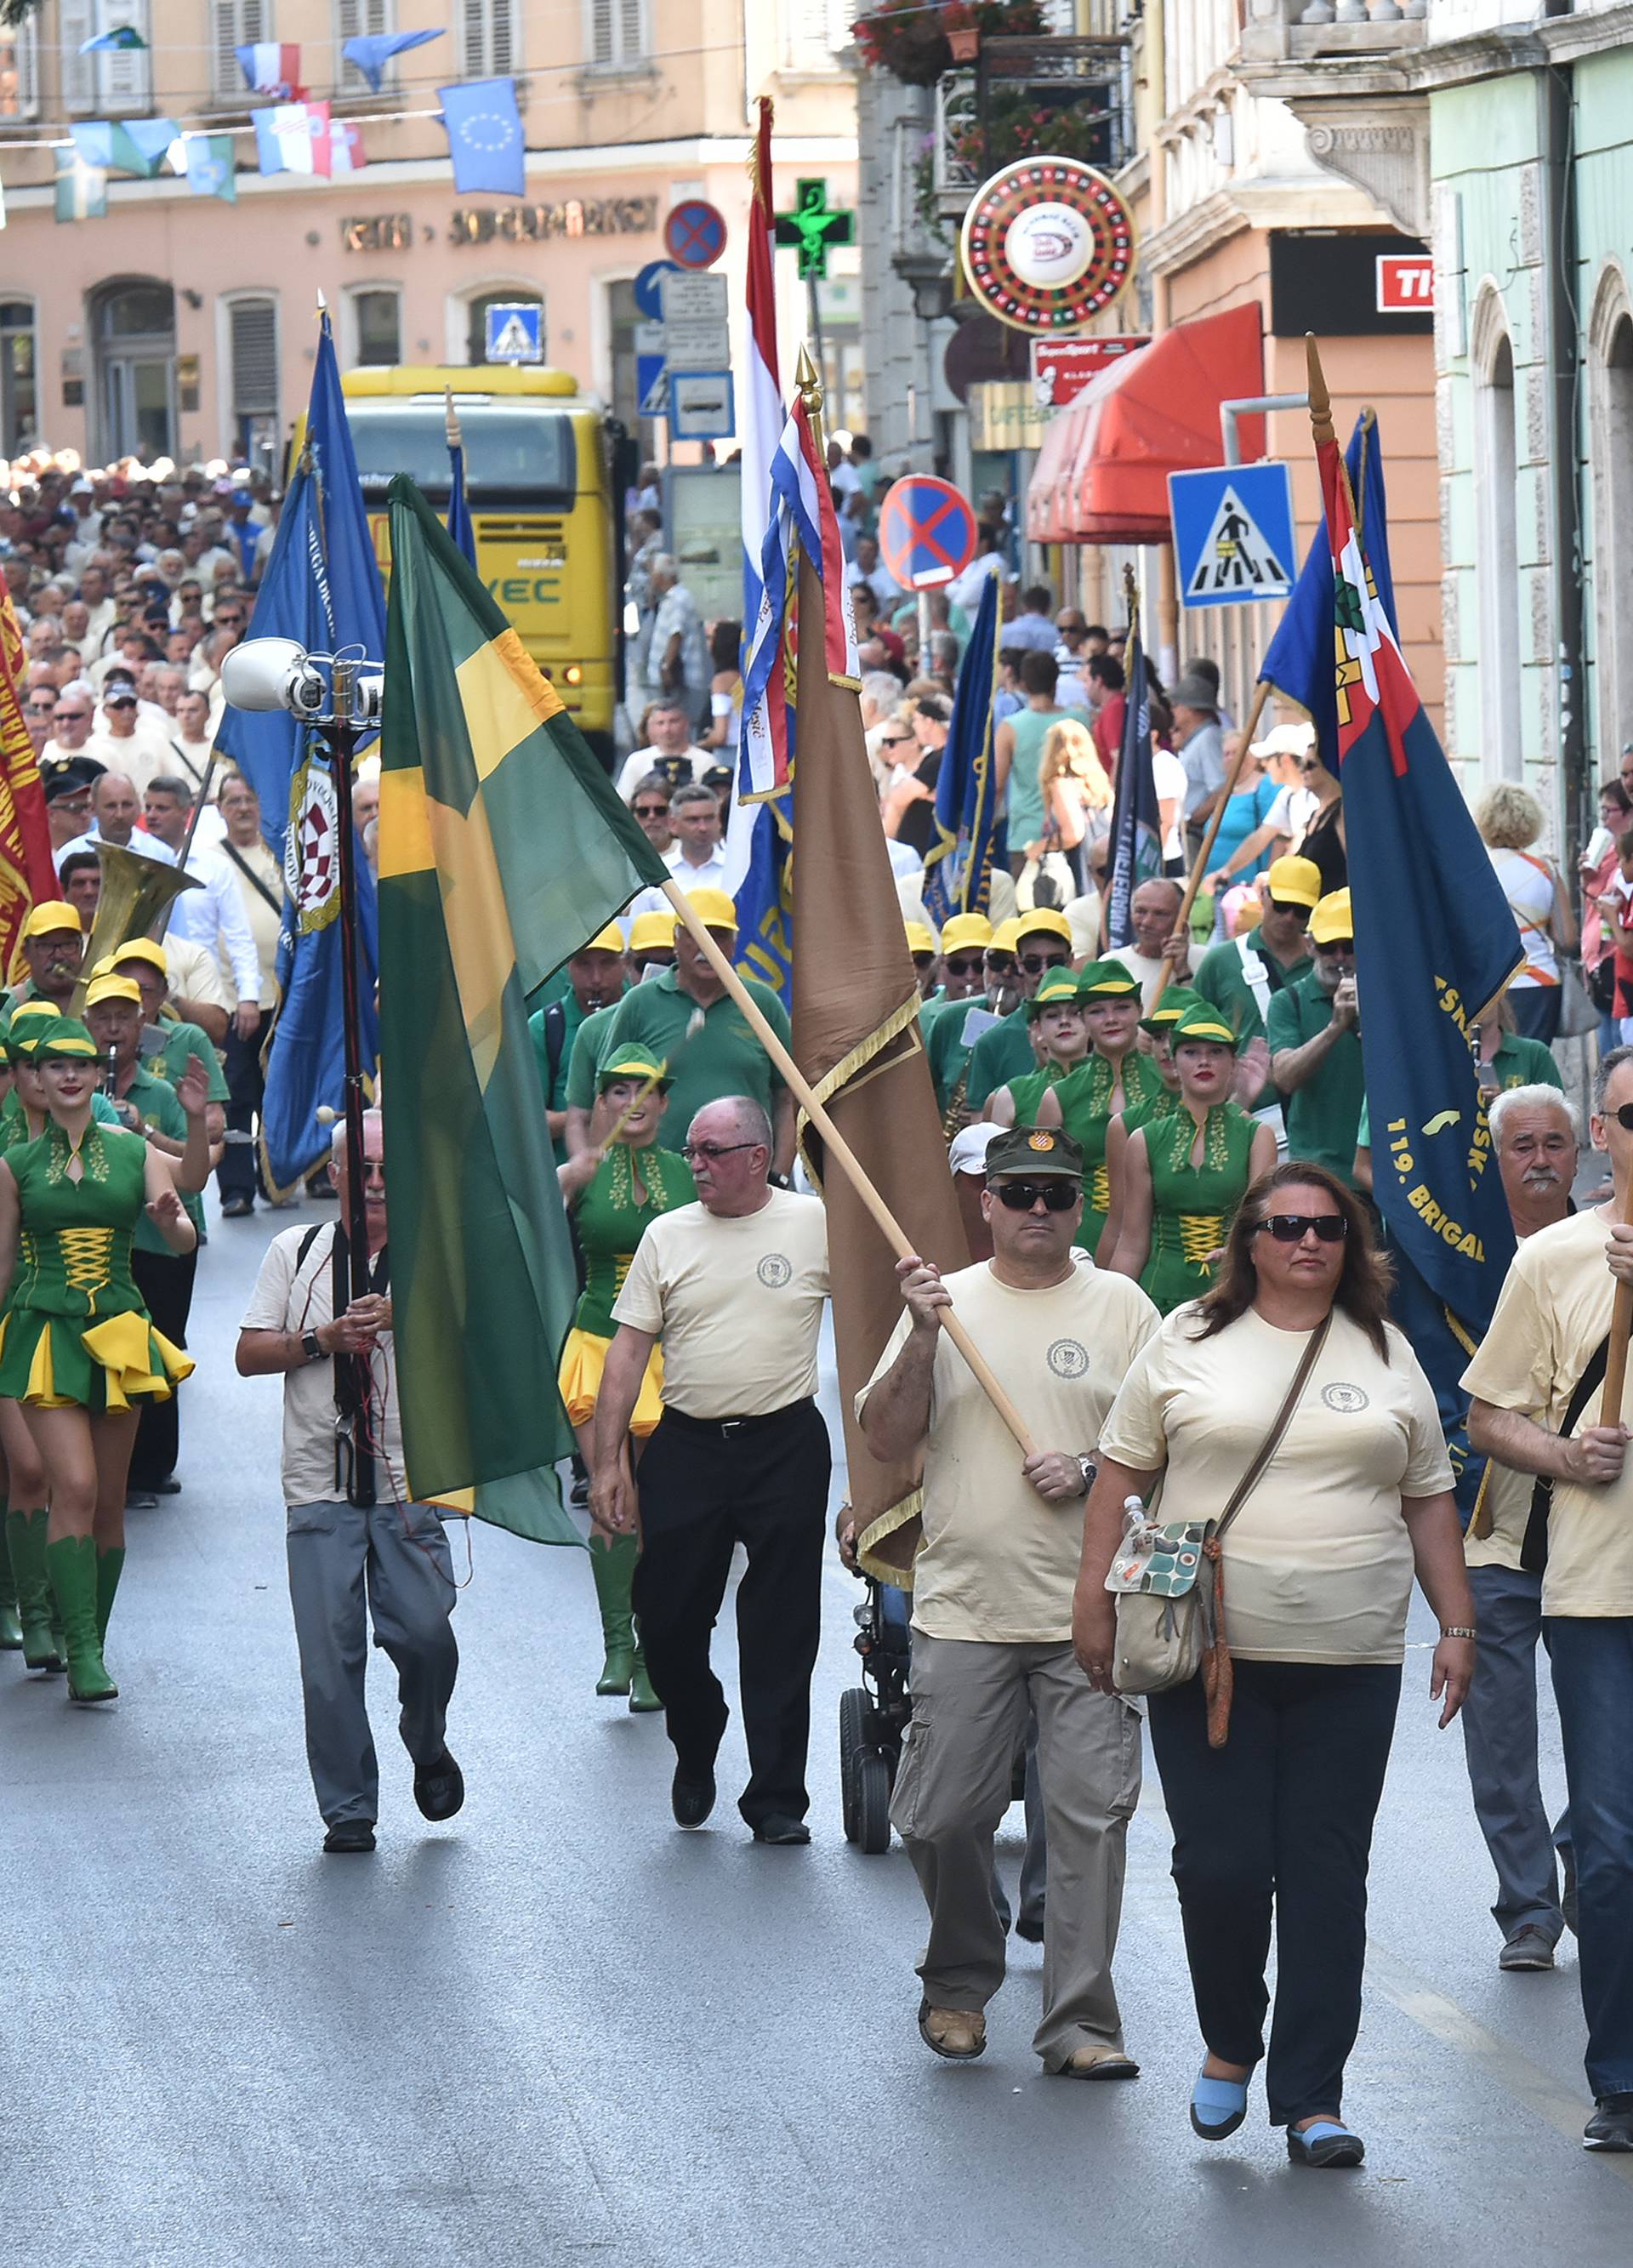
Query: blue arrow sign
1233	533
649	287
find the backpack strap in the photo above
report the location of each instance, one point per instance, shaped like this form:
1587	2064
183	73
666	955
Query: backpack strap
1534	1550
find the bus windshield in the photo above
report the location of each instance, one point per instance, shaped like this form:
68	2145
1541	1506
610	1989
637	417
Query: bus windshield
515	452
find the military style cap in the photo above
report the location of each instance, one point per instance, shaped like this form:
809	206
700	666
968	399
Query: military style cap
1107	980
1037	1150
1203	1022
630	1063
1059	989
1332	922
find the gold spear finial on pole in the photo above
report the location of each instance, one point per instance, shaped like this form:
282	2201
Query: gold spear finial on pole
1321	402
1130	598
808	379
450	419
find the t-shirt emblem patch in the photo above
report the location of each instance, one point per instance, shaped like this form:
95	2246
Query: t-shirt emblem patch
1344	1398
774	1271
1067	1358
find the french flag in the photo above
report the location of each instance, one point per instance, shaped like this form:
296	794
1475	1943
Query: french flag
763	767
269	69
295	137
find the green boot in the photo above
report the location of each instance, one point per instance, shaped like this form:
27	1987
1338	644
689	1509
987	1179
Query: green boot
642	1693
25	1542
108	1567
613	1567
70	1562
10	1628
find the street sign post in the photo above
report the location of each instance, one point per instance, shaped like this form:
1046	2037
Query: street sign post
649	287
702	407
695	233
1232	534
514	333
926	532
695	318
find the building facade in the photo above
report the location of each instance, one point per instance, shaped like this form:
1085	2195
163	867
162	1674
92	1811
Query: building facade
182	325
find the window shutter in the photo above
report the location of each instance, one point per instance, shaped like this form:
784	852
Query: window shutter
237	23
475	39
501	38
126	73
631	36
254	358
77	22
601	49
24	43
357	19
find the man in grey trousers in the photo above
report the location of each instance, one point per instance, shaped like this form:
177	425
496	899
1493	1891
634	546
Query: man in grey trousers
338	1548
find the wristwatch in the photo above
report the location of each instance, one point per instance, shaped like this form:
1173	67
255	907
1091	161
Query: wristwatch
1087	1467
311	1346
1454	1630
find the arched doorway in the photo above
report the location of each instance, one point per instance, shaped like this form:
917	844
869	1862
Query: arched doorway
133	325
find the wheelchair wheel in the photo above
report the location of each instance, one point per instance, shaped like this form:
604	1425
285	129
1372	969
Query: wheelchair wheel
873	1804
853	1709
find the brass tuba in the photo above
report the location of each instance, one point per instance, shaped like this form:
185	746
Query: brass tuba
138	894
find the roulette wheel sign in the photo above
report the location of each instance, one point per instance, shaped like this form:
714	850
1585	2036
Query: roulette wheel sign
1047	243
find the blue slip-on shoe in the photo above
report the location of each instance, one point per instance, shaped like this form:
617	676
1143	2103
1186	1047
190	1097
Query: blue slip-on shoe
1328	2143
1218	2106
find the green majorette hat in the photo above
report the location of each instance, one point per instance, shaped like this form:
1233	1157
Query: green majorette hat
1059	989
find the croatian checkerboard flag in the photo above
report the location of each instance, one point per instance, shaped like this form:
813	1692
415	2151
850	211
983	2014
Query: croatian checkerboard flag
296	137
269	69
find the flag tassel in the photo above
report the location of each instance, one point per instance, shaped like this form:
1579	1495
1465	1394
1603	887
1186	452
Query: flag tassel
840	1151
1262	694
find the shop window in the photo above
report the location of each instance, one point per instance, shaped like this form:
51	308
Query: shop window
377	326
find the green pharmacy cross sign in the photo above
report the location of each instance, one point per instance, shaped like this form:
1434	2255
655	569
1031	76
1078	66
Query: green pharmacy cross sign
815	227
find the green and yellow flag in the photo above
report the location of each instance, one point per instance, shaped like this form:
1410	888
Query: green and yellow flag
502	846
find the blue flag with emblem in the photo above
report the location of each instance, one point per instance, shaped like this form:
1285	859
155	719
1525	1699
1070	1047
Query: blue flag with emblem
485	130
958	871
1435	943
1137	815
458	521
322	588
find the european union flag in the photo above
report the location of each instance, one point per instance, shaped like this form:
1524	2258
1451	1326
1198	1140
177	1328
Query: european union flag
1435	943
1298	660
374	50
322	588
958	873
485	136
1136	816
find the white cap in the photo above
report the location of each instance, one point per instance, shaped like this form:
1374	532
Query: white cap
1285	741
968	1153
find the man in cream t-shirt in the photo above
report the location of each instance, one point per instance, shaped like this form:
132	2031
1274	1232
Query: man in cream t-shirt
734	1286
992	1604
1552	1322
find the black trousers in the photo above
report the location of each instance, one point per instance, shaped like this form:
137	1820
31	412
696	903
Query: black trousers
236	1176
165	1280
702	1490
1284	1812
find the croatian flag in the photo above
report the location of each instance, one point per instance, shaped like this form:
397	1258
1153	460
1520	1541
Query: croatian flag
294	137
801	518
764	760
269	69
346	147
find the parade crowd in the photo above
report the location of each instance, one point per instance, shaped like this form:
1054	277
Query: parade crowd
1162	1157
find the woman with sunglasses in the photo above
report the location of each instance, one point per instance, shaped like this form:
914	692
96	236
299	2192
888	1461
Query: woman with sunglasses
1323	842
1317	1573
1116	1075
612	1189
1184	1175
78	1348
1060	1030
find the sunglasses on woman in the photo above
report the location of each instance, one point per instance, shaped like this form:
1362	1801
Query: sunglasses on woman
1058	1194
1293	1227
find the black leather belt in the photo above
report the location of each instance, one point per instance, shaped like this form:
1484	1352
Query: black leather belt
729	1429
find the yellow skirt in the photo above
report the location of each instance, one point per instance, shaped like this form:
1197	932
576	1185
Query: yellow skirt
51	1363
583	1359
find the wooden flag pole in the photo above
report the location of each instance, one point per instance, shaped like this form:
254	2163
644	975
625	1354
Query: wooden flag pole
1616	1355
1262	694
842	1154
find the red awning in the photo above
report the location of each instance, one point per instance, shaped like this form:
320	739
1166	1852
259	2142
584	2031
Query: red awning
1054	459
1155	414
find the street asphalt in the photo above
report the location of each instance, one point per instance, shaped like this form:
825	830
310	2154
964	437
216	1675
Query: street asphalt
557	2028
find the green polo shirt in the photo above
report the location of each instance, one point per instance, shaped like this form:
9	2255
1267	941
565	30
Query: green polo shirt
1518	1062
723	1058
941	1026
585	1058
156	1101
998	1056
554	1089
1219	978
1324	1114
181	1042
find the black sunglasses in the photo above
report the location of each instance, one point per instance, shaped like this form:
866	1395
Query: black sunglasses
1035	963
963	964
713	1149
1298	914
651	811
1058	1194
1293	1227
1623	1117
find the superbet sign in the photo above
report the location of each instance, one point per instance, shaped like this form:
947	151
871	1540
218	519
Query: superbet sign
1061	368
1406	284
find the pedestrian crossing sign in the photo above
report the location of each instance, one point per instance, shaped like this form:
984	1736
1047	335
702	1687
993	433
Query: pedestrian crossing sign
515	332
1232	534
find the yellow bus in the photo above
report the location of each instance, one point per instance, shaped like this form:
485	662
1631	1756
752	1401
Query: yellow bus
544	474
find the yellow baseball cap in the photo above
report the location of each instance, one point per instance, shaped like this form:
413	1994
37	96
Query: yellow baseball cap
112	988
1332	920
966	930
713	909
1048	919
610	939
1007	936
1294	881
920	938
137	948
650	932
52	915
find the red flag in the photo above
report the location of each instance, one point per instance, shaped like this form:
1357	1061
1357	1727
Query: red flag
27	869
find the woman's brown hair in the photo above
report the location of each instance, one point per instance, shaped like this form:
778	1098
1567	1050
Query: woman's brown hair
1363	1290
